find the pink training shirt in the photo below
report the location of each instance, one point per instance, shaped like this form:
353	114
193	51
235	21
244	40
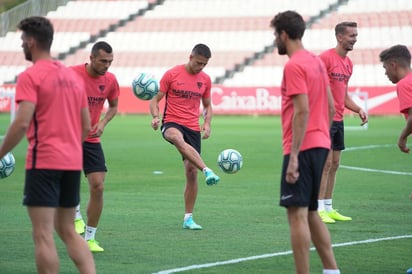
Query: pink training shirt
184	92
339	71
55	131
305	73
404	91
98	90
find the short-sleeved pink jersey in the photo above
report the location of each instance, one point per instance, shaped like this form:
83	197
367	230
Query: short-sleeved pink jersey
305	73
98	90
404	91
55	131
184	92
339	71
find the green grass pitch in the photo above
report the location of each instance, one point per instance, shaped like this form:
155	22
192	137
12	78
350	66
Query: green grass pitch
244	229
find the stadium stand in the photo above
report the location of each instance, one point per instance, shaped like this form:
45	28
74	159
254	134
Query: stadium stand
380	25
161	37
154	35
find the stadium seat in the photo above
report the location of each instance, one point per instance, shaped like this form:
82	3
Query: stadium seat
163	36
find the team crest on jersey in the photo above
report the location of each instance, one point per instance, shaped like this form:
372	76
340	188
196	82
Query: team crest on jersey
101	88
199	85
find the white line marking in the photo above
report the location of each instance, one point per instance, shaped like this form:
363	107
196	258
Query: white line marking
234	261
376	170
354	128
283	253
368	147
370	169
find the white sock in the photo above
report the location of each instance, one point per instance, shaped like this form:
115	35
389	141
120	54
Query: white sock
331	271
206	169
187	215
328	205
321	205
78	214
90	233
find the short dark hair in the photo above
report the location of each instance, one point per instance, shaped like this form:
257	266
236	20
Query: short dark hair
398	53
341	27
40	29
203	50
291	22
101	46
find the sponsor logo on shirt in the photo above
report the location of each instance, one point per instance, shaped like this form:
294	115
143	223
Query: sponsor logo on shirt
95	101
187	94
339	77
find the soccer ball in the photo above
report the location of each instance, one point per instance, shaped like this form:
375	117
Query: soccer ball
145	86
230	161
7	164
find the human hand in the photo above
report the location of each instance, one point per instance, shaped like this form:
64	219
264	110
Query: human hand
402	145
206	131
292	171
96	131
363	116
155	123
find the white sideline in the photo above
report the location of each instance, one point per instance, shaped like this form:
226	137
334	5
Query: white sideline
376	170
370	169
283	253
368	147
234	261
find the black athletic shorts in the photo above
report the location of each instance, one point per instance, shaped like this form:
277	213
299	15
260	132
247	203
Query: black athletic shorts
304	193
192	137
93	158
52	188
337	135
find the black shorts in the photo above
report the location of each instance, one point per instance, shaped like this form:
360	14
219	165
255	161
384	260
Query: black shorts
93	158
52	188
192	137
304	193
337	135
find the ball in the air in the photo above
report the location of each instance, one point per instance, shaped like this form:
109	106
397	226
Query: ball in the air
230	161
7	165
145	86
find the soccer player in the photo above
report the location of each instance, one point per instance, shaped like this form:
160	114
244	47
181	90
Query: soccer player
101	85
307	111
184	87
53	114
397	64
339	68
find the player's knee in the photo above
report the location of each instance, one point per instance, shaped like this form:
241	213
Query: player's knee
97	188
64	233
335	164
328	166
191	172
42	237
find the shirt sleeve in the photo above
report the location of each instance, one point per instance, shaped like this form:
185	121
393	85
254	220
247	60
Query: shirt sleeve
405	98
294	79
25	89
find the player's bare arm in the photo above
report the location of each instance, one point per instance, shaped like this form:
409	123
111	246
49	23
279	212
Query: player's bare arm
86	123
98	129
403	138
154	110
351	105
299	123
331	105
207	117
18	128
